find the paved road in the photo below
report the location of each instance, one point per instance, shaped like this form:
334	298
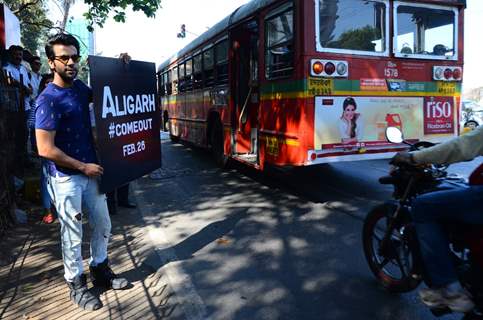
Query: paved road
237	244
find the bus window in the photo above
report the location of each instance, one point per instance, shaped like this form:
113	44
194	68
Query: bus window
279	53
221	56
425	31
161	90
208	67
197	72
167	82
188	80
174	73
349	25
181	77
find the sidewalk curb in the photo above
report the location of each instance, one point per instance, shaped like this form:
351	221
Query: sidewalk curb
180	282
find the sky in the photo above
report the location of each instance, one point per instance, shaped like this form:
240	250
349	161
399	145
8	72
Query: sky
155	39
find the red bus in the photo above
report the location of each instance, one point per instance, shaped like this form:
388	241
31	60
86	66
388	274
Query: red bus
304	82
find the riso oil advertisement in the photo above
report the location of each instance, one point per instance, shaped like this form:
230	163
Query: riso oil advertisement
344	123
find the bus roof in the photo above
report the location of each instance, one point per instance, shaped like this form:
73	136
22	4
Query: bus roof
236	16
243	12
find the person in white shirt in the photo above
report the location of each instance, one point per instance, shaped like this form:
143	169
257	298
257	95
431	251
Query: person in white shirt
18	73
18	76
35	76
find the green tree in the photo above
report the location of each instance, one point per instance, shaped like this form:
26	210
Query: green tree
99	10
357	39
35	25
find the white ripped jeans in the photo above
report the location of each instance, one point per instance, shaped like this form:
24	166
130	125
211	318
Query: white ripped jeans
74	197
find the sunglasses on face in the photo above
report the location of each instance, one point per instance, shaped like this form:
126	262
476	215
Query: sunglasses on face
64	59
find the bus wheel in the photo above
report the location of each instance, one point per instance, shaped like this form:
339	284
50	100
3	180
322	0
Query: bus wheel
217	145
174	138
165	120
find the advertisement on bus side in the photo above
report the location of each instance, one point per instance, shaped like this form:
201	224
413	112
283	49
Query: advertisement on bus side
127	119
345	123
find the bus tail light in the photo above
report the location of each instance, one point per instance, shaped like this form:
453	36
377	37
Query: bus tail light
445	73
341	68
318	67
329	68
448	74
457	74
438	73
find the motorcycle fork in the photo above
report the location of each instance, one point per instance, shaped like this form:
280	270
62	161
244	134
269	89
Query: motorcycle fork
393	222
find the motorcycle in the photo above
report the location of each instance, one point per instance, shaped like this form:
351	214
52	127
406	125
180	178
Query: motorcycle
389	237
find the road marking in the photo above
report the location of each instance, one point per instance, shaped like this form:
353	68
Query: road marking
180	282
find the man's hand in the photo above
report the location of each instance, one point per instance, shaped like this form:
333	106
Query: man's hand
92	170
125	57
28	90
402	158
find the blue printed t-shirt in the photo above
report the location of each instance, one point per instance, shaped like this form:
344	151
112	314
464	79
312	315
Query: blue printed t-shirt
66	111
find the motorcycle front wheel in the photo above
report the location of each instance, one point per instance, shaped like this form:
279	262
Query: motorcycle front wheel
395	266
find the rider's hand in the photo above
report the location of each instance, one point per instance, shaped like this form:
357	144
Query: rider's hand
402	158
92	170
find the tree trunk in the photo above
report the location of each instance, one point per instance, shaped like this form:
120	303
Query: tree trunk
66	5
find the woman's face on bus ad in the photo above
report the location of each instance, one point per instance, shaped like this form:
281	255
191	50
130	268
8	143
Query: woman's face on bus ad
349	112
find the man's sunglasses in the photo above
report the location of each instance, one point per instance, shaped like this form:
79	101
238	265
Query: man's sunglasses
65	58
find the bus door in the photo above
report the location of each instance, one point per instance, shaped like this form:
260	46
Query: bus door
244	87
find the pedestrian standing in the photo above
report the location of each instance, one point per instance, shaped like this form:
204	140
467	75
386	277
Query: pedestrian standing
119	197
19	77
45	190
34	78
64	138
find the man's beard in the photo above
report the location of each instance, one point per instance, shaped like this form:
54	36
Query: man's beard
67	77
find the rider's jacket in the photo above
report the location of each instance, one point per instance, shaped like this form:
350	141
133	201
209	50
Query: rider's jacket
462	148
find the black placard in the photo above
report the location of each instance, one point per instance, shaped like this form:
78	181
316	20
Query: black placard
127	119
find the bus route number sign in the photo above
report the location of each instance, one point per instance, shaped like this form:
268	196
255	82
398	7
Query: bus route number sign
448	88
320	87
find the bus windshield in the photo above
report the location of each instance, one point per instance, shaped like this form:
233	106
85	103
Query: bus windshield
348	25
425	31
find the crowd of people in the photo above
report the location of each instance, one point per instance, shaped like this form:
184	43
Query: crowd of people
23	71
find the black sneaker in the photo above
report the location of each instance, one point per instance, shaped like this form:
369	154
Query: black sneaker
80	295
103	276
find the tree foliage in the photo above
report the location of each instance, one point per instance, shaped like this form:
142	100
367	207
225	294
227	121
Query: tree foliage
99	10
357	39
35	25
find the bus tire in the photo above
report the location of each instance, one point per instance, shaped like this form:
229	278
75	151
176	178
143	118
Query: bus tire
217	144
165	120
174	138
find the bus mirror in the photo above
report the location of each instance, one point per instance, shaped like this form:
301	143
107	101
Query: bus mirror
394	135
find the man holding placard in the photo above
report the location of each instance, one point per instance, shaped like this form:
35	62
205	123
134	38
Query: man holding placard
64	138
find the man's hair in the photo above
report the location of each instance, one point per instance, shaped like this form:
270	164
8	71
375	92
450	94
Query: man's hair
14	47
60	38
34	58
